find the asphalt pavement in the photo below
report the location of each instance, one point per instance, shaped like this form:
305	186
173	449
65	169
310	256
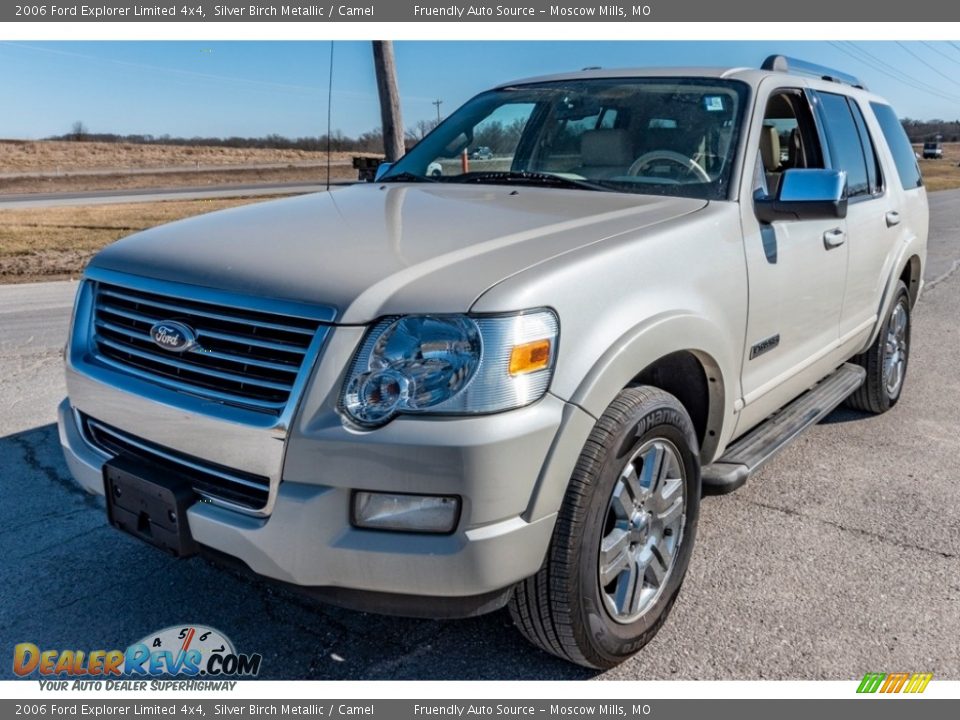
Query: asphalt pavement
841	557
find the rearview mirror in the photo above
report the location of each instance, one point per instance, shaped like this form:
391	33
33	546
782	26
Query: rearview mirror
456	146
805	194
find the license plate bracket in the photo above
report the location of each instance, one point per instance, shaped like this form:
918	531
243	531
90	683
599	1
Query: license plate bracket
150	503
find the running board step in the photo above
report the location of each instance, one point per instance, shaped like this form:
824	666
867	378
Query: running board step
745	456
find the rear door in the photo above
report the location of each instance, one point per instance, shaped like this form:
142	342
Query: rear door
873	213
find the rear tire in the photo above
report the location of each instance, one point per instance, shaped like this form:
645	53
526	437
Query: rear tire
623	538
886	359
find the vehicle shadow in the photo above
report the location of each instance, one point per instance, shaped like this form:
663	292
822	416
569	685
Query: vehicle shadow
71	580
844	415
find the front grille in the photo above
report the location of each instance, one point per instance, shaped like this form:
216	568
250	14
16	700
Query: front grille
240	488
243	357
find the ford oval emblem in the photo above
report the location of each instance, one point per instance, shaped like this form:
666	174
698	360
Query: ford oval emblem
173	336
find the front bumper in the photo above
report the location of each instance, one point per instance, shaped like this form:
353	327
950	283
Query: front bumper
493	463
509	471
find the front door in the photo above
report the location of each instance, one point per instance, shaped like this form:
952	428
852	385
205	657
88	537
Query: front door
796	268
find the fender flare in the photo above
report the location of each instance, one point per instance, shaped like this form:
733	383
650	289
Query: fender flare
634	351
912	248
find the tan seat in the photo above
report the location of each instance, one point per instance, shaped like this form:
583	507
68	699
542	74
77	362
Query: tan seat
770	156
604	153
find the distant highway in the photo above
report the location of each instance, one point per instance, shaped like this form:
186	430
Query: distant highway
167	169
113	197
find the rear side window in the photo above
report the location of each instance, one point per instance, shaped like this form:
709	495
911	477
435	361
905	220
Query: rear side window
873	166
900	147
844	140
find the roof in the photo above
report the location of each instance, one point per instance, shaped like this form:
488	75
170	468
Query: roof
600	73
751	76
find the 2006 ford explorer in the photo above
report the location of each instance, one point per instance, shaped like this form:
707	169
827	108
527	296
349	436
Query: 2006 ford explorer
475	383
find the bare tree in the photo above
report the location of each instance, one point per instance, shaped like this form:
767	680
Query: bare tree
386	69
420	130
78	131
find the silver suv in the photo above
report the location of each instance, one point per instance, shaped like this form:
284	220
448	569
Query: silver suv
457	389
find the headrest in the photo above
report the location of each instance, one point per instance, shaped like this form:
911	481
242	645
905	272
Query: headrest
770	148
605	147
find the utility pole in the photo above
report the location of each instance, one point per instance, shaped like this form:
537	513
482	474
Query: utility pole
386	69
438	102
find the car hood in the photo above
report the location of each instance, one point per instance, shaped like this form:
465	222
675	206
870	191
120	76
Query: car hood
370	250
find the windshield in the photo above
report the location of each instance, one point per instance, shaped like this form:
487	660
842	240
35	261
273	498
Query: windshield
666	136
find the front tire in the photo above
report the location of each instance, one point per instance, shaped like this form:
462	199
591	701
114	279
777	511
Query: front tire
623	538
886	359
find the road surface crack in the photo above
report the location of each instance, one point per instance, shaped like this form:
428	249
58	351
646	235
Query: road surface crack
50	472
930	285
854	530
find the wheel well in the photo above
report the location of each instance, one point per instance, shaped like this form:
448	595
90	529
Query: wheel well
684	375
911	278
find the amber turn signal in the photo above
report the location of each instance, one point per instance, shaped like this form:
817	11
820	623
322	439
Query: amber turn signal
530	357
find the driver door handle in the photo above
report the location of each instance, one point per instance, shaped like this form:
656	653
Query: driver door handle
834	238
892	218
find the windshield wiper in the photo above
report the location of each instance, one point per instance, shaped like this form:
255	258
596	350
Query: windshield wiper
406	177
525	177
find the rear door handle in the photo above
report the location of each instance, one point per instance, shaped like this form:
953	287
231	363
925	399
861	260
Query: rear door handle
892	218
834	238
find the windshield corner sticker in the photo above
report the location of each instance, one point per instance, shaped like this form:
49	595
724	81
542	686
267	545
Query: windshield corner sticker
713	103
179	657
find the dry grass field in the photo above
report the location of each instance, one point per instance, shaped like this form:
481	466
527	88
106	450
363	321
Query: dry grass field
942	174
193	179
64	166
28	156
56	243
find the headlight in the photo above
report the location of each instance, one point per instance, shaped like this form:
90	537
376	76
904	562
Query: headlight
450	364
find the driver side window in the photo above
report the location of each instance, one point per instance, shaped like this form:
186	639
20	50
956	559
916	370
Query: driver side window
788	139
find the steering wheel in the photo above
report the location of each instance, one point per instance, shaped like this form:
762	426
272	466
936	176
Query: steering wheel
689	164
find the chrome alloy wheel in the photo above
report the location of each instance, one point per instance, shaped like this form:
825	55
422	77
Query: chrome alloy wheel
895	351
642	531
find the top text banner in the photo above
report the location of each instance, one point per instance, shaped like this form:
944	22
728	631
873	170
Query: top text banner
932	11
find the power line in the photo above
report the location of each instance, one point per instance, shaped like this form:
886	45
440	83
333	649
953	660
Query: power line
863	56
940	52
938	72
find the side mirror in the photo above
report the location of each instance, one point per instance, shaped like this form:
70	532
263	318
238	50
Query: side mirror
805	194
382	169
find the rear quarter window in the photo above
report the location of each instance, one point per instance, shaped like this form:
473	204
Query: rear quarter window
899	144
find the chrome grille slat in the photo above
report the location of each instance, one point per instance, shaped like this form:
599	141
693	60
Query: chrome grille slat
215	335
176	309
143	337
262	405
248	491
255	342
245	356
189	367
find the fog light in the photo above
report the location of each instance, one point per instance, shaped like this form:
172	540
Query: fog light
405	513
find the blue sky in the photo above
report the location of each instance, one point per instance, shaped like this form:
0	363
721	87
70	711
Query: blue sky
258	88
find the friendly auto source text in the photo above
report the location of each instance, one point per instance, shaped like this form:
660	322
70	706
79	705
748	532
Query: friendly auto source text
459	11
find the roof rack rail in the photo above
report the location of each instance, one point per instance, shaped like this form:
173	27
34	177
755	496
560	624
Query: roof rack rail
781	63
